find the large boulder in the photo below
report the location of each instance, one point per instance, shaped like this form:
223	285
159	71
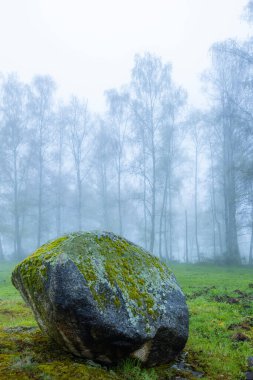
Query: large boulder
104	298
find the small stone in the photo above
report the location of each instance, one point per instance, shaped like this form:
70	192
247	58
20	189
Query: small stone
250	361
197	374
240	337
249	375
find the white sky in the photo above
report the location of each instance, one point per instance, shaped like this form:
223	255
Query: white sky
88	46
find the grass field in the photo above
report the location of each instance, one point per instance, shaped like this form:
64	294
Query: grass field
220	301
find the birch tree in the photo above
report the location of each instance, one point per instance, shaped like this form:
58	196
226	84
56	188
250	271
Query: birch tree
41	110
149	79
78	128
118	118
14	145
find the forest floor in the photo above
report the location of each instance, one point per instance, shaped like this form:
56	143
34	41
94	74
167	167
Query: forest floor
220	344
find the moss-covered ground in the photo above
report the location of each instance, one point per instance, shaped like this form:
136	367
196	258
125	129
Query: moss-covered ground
221	333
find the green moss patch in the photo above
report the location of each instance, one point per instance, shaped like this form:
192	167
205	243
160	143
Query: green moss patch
116	271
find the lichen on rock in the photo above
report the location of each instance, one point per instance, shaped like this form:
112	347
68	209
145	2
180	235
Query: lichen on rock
101	296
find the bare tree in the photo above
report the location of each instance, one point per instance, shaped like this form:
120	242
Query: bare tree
228	78
78	126
118	115
169	157
196	132
102	166
13	142
41	98
61	125
149	82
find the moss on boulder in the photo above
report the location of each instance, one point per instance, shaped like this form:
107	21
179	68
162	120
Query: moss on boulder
104	298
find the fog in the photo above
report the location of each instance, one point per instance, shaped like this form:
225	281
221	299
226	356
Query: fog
130	118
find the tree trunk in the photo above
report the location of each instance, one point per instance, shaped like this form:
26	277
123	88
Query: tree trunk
213	202
105	222
1	251
251	246
186	238
163	210
17	239
119	198
166	216
79	198
251	239
40	189
59	187
232	248
144	191
170	221
196	203
153	190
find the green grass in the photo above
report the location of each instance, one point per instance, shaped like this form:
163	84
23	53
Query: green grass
221	333
221	307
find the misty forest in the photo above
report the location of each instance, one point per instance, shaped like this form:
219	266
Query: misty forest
175	179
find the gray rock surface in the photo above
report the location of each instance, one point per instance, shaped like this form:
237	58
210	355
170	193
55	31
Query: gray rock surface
104	298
